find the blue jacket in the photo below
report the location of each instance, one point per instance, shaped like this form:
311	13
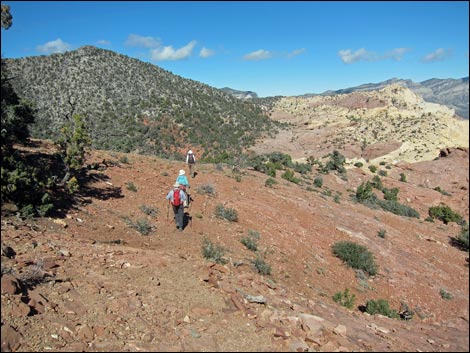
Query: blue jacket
182	180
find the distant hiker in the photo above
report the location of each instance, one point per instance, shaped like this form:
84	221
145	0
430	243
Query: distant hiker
184	185
176	197
191	161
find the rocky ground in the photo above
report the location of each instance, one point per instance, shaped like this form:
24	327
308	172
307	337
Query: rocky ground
86	280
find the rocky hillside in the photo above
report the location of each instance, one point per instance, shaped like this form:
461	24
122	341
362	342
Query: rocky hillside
111	273
240	94
453	93
129	105
390	125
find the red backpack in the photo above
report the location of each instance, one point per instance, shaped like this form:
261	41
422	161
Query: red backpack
176	197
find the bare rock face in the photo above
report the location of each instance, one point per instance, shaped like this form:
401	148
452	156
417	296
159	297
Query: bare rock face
380	149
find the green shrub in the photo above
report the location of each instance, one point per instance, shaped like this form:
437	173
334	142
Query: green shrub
445	214
345	298
463	236
131	186
376	182
364	192
289	176
383	173
373	168
382	307
270	182
213	252
445	295
150	211
355	256
141	225
206	189
261	266
382	233
336	162
403	177
229	214
251	241
398	208
318	182
391	194
358	164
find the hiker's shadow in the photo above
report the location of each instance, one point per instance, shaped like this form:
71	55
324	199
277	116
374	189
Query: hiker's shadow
194	174
187	219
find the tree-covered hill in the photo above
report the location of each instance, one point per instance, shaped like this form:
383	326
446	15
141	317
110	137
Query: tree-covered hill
130	105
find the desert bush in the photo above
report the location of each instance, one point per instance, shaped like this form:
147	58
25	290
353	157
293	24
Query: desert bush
373	168
445	214
463	236
398	208
141	225
289	176
261	266
383	173
131	186
445	294
229	214
376	182
345	298
358	164
391	194
207	189
318	182
403	177
382	233
336	162
213	252
148	210
382	307
251	241
364	192
270	182
355	256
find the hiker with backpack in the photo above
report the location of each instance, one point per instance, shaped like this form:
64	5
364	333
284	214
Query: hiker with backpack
184	185
191	161
176	197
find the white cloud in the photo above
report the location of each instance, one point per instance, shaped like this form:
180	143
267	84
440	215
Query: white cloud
168	53
438	55
103	42
134	40
205	53
56	46
296	52
349	57
396	54
258	55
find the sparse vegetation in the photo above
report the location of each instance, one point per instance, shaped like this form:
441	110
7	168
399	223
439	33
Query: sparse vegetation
270	182
382	307
445	294
355	256
229	214
261	266
445	214
345	298
207	189
382	233
251	241
131	186
213	252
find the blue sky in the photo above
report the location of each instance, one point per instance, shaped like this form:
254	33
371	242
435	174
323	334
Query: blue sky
269	47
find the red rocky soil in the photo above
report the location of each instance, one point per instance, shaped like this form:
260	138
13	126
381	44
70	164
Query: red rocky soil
103	286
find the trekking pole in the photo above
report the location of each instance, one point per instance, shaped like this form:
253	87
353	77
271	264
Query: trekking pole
167	211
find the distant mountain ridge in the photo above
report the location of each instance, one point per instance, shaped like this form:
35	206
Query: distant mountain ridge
453	93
